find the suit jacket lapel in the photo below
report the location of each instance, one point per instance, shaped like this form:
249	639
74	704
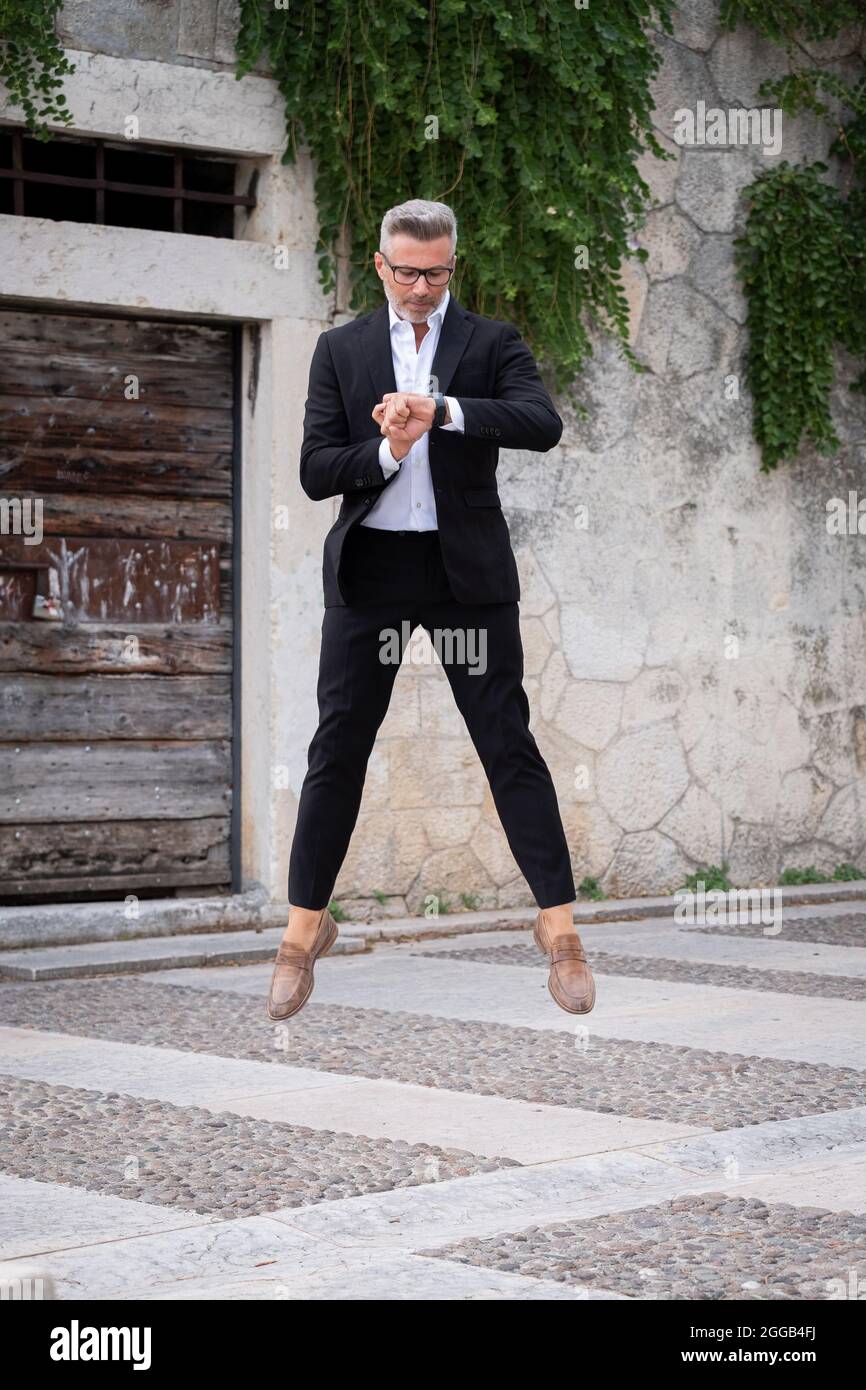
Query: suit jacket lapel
455	334
376	333
453	339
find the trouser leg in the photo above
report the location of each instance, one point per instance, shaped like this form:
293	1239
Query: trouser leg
356	677
484	667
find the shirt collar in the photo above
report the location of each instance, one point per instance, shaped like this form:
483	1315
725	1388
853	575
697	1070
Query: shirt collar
437	313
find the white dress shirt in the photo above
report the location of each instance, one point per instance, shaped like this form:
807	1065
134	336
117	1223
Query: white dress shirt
407	504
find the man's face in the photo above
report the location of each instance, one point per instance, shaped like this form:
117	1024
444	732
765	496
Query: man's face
414	302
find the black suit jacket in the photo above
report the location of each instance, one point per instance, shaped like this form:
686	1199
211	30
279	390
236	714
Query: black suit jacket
488	368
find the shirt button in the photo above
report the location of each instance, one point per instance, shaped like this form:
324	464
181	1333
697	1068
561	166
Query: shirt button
417	504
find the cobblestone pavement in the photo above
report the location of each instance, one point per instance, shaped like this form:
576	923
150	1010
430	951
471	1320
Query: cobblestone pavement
432	1126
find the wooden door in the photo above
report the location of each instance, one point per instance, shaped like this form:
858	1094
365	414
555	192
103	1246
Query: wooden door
116	468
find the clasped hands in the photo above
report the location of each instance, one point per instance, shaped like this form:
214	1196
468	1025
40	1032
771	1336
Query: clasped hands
402	417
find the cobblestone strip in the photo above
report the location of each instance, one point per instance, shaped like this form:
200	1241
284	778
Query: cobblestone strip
188	1157
639	1079
848	929
661	968
711	1246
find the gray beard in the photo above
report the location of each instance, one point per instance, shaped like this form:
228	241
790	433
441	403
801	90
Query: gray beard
410	315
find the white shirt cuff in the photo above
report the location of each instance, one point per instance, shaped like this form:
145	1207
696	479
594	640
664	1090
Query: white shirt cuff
387	460
456	415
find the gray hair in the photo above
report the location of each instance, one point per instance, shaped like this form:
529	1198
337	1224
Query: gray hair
419	219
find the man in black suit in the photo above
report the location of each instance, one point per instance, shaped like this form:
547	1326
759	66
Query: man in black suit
421	538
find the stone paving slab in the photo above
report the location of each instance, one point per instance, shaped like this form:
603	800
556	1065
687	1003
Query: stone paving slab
126	1267
182	1078
37	1218
262	1259
153	953
661	941
598	1183
643	1080
761	1149
523	1131
665	968
837	1183
402	1278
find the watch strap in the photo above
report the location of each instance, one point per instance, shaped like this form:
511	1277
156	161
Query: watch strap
439	412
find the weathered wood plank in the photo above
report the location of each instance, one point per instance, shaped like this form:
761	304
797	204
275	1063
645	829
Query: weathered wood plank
121	581
80	514
54	648
40	470
33	708
181	885
75	375
121	780
73	857
112	424
166	337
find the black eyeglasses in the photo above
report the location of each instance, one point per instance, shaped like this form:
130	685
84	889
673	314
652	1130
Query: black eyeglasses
408	274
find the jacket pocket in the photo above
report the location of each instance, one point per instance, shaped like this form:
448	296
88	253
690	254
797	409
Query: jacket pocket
481	497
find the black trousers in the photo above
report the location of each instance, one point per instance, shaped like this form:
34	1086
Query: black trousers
395	580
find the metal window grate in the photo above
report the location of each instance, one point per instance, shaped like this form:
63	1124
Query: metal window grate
115	183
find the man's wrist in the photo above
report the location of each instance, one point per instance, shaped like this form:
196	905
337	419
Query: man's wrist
388	463
440	410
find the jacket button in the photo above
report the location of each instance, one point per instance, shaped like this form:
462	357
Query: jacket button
367	501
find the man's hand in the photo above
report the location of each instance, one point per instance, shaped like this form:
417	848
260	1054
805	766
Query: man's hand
403	417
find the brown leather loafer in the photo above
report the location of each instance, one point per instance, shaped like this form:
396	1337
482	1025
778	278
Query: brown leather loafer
292	980
570	981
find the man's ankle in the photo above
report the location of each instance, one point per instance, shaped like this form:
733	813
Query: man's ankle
303	921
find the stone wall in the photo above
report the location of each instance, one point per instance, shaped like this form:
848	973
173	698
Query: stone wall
695	640
188	32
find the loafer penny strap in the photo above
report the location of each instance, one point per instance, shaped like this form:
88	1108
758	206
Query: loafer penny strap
290	954
567	951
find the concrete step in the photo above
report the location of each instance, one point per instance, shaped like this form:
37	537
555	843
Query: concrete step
153	953
251	914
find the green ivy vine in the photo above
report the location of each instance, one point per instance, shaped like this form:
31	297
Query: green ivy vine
526	117
802	255
32	62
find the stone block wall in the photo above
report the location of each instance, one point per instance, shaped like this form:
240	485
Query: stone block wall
695	640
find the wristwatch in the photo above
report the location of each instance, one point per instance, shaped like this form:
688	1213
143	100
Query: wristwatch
439	412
